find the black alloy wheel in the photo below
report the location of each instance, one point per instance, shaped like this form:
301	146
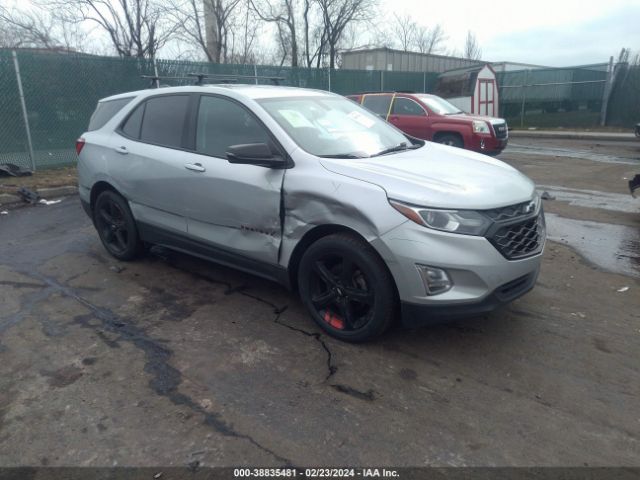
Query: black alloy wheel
116	226
347	288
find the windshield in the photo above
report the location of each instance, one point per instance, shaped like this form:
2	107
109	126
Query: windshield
333	126
439	105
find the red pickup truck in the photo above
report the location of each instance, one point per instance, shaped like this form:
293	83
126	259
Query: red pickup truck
432	118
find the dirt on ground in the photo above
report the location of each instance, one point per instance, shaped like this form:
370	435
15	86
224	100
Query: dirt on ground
54	177
174	361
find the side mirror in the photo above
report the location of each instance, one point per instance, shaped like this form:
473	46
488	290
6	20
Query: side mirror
255	154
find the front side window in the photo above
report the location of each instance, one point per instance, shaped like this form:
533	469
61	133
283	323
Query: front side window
163	120
332	126
222	123
405	106
439	105
378	104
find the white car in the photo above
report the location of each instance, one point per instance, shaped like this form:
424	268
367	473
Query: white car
309	189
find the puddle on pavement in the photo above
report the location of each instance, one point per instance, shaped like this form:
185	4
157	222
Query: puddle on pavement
570	153
593	198
615	248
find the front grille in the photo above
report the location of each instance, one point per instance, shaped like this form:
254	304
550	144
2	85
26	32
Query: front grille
511	212
501	130
522	239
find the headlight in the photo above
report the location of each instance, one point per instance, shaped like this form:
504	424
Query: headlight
466	222
480	126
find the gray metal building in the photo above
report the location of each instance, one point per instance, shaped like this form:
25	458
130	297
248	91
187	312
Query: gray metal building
397	60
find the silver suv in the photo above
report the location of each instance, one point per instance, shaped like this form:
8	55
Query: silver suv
311	190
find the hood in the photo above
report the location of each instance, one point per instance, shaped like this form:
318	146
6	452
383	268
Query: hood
440	176
466	117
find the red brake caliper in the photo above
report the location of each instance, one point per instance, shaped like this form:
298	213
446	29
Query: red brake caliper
334	320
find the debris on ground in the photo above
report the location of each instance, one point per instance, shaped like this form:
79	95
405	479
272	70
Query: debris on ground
4	212
12	170
116	268
48	202
27	195
547	196
623	289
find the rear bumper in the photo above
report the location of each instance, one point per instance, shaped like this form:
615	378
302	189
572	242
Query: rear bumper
416	315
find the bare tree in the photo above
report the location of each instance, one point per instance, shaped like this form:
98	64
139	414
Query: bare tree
210	24
283	15
404	31
472	49
136	28
337	15
36	28
242	35
430	40
315	33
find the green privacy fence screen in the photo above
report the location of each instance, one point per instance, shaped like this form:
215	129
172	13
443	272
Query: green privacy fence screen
61	92
553	97
624	102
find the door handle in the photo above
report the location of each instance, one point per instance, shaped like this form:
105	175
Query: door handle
121	150
196	167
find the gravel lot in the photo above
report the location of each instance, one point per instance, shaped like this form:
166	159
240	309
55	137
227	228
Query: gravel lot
173	361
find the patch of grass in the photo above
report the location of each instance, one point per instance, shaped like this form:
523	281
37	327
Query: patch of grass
53	177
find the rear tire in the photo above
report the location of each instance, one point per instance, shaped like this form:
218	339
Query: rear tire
116	226
347	288
450	139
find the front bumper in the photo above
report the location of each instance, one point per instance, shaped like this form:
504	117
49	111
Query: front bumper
488	144
417	314
482	277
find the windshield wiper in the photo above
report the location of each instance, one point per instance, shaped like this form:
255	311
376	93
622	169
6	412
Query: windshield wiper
398	148
341	155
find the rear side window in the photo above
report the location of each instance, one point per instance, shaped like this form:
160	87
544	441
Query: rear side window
105	112
131	127
405	106
163	120
222	123
378	104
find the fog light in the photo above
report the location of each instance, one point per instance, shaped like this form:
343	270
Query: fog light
435	280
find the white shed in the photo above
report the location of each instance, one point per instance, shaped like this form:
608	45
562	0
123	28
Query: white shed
472	89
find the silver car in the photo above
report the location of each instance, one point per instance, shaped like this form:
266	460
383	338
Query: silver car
309	189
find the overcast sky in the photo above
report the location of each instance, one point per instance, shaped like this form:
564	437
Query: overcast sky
546	32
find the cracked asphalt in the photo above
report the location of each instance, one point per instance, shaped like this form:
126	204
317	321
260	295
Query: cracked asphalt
172	361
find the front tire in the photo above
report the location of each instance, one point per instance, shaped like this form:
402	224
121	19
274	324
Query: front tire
116	226
450	139
347	288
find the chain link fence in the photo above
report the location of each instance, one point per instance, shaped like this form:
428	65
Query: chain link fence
553	97
624	103
60	91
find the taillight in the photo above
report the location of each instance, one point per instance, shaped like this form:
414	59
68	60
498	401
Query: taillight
79	145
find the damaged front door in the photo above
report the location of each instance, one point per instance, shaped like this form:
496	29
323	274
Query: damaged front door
231	206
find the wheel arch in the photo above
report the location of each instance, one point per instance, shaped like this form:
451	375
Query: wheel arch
442	133
321	231
97	188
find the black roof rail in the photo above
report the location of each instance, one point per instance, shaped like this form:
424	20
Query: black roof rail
155	79
383	92
228	78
